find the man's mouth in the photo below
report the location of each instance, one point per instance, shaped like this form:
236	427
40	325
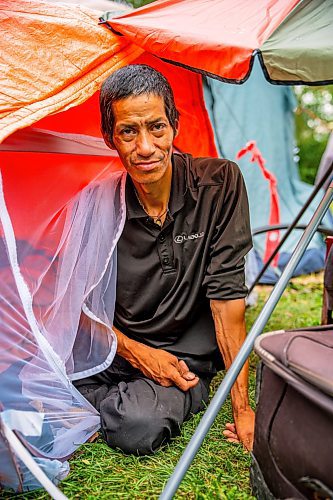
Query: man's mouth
146	165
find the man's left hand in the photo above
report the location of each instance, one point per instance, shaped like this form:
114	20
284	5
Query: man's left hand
242	431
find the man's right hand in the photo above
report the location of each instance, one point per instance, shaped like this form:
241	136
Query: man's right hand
165	368
156	364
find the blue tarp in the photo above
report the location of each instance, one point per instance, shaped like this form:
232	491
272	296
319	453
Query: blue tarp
264	113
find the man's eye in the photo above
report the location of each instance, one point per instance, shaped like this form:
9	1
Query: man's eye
127	131
158	126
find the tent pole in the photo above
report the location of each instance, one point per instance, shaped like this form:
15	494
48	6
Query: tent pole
34	468
326	231
231	375
314	193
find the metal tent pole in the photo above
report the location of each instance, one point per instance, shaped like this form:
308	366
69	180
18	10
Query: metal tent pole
326	231
228	381
24	455
314	193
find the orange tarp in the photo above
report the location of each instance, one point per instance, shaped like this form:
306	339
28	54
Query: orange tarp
56	57
52	58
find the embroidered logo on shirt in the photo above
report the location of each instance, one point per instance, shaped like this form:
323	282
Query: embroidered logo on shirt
181	238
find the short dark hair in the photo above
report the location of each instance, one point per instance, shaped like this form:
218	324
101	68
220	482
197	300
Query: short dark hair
134	80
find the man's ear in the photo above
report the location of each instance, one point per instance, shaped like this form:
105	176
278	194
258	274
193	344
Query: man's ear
176	129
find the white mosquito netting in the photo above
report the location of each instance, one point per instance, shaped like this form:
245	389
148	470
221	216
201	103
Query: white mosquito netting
62	210
58	232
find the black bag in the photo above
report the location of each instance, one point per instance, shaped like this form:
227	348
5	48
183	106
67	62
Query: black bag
293	445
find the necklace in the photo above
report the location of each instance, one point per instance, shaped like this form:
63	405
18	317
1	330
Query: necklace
156	218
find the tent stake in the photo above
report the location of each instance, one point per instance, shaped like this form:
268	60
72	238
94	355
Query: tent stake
244	352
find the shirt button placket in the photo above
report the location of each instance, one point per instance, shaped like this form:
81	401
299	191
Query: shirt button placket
165	258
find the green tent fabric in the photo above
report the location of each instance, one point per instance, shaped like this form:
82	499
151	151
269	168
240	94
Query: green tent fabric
305	35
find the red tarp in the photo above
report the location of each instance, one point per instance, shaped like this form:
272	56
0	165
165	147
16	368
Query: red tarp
215	36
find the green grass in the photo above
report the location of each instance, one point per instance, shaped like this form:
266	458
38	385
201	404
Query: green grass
220	470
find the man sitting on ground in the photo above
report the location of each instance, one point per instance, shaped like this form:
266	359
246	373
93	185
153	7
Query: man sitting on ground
180	282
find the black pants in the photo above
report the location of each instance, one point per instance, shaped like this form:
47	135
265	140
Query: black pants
137	414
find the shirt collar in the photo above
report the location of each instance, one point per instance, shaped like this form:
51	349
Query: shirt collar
178	190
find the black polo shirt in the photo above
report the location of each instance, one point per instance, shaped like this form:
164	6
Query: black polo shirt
167	275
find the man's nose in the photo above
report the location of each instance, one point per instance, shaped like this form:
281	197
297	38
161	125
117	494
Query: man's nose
145	144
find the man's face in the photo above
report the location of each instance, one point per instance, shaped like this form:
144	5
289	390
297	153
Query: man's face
143	136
